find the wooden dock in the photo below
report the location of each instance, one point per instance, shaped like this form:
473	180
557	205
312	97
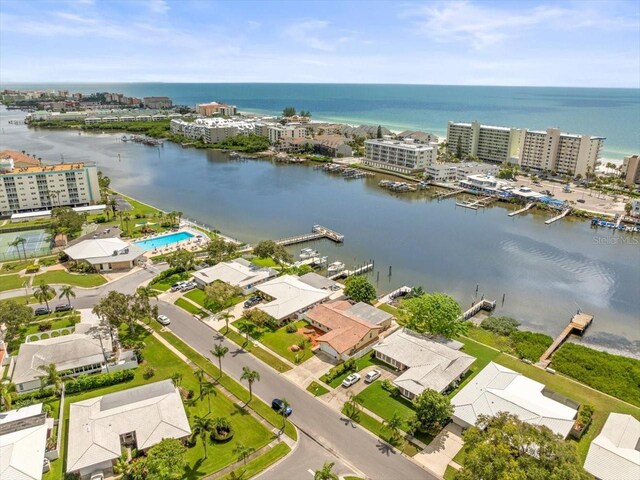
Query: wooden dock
317	232
453	193
349	273
522	210
564	213
578	324
488	305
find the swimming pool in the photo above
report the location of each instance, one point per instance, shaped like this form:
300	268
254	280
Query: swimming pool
163	241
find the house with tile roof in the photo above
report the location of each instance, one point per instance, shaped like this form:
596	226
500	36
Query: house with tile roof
615	453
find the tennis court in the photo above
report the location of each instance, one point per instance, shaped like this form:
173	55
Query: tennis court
37	243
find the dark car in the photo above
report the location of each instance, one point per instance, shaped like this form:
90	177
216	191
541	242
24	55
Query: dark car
41	311
251	302
277	404
63	307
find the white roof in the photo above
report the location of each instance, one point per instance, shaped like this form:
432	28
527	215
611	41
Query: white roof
234	273
153	412
291	295
431	364
102	249
22	449
90	208
65	351
39	213
498	389
615	453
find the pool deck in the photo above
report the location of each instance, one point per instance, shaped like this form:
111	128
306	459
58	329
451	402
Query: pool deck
191	244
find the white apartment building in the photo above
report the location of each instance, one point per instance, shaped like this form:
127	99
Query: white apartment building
455	172
211	130
564	153
286	132
631	170
488	143
402	156
41	187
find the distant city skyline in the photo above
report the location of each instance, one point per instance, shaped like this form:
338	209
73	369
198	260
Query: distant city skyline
525	43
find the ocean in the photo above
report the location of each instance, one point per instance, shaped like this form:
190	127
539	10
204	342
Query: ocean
607	112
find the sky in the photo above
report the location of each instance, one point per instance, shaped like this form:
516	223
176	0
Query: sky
531	43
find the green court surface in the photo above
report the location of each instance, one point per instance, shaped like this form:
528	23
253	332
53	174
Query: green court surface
37	243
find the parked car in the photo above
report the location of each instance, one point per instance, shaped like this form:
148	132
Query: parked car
177	286
188	286
63	307
163	320
350	380
371	376
41	311
97	475
580	200
277	404
252	301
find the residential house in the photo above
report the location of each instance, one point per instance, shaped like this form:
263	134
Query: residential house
237	272
106	254
289	296
424	362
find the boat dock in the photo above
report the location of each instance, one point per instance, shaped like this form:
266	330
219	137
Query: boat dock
479	203
348	273
453	193
317	232
488	305
578	324
564	213
522	210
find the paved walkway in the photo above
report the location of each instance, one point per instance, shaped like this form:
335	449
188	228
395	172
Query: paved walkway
440	452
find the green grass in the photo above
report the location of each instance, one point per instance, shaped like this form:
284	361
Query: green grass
449	474
380	402
48	261
258	352
349	477
86	280
189	307
197	296
378	429
316	389
165	284
362	362
279	341
56	323
15	266
248	431
261	408
264	262
11	282
259	464
388	308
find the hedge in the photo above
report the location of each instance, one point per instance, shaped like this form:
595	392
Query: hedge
166	274
26	399
530	345
90	382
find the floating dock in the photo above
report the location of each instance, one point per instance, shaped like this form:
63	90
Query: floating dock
317	232
348	273
564	213
578	324
522	210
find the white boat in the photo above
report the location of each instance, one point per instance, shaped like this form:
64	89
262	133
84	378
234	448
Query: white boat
308	253
335	267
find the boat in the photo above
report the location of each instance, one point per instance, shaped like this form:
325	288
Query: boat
335	267
234	155
308	253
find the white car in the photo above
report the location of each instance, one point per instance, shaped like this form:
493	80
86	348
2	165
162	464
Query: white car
163	320
371	376
350	380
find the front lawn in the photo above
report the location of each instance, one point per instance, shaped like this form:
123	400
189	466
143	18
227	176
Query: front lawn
11	282
189	307
258	352
55	322
316	389
385	307
264	262
84	280
166	283
365	361
15	266
280	341
197	296
257	465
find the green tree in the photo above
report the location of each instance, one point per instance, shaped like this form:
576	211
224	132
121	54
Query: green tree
432	410
394	424
199	374
166	460
435	313
6	395
51	376
502	450
14	317
43	293
226	316
202	427
265	249
181	260
359	289
352	406
219	250
379	132
176	378
113	308
67	292
288	111
504	326
459	152
250	376
65	220
326	472
219	351
206	391
219	295
17	242
243	452
247	328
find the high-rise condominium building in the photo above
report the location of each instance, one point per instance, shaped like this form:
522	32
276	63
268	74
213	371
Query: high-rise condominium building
488	143
631	170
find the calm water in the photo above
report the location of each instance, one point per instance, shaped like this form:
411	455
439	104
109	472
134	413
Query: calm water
611	113
545	272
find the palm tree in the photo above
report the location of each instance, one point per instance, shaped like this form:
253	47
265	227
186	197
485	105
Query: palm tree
43	293
283	412
147	292
202	427
179	215
250	376
206	391
126	218
243	452
176	378
67	292
352	406
16	243
6	395
51	377
226	316
247	328
416	292
199	374
326	472
219	351
393	425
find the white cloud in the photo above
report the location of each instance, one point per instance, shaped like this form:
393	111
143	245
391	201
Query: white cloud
306	32
158	6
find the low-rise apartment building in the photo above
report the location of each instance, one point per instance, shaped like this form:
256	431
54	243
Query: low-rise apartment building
487	142
455	172
564	153
211	130
157	102
27	185
631	170
402	156
285	132
215	108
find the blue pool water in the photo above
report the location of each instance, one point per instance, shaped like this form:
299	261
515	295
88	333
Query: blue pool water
163	241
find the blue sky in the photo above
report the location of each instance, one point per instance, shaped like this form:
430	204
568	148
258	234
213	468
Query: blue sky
554	43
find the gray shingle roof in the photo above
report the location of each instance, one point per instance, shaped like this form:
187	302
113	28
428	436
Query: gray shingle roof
615	453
